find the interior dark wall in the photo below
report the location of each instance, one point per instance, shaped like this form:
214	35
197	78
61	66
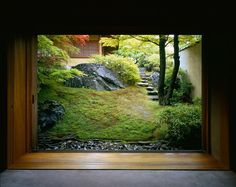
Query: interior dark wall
220	58
133	17
3	106
230	56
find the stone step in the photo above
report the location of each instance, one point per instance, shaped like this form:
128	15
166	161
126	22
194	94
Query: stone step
144	81
152	92
142	84
146	77
150	88
153	97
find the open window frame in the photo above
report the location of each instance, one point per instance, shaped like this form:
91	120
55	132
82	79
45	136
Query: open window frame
22	126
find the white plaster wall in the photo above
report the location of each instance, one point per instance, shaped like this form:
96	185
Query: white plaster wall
191	62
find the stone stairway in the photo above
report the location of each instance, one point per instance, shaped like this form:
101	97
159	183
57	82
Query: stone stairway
146	82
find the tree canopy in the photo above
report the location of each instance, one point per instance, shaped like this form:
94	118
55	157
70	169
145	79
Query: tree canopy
53	49
153	51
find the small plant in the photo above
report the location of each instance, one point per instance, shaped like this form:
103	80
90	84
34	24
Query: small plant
180	125
182	88
56	74
61	75
124	67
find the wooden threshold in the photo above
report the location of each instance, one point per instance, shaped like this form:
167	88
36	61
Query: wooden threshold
170	161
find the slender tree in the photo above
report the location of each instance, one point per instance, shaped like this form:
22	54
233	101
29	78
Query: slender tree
180	43
161	83
175	70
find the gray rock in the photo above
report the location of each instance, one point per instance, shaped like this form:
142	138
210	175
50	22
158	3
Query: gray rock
49	112
154	78
97	77
102	145
142	71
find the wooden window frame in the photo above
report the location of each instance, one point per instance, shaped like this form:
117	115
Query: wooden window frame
82	48
22	109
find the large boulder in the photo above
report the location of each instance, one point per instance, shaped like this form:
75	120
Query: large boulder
49	112
97	77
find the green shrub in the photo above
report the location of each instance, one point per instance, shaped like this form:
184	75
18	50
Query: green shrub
56	73
61	75
152	62
197	101
49	54
137	56
125	68
182	88
180	125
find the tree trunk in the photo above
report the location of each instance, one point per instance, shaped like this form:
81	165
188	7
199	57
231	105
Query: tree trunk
161	82
175	70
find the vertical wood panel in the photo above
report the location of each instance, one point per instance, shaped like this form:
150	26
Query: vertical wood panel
3	104
218	73
21	86
31	130
10	101
19	97
205	101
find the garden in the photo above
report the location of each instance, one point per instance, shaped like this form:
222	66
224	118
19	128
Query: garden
133	96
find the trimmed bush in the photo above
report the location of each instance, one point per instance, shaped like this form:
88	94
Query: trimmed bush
180	125
182	88
124	67
61	75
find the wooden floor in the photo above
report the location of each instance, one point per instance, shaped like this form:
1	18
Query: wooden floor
185	161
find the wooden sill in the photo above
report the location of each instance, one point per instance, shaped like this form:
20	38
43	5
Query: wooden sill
171	161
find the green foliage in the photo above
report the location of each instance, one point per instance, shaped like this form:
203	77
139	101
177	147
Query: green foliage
142	52
152	63
53	53
58	74
128	46
197	101
182	88
188	40
55	49
61	75
109	42
48	53
125	68
180	125
137	56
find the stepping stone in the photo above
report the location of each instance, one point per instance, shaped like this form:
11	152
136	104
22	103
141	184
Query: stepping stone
150	88
152	92
144	81
153	97
142	84
143	77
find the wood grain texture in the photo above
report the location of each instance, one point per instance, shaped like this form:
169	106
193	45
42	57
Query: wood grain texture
205	107
16	98
31	60
175	161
